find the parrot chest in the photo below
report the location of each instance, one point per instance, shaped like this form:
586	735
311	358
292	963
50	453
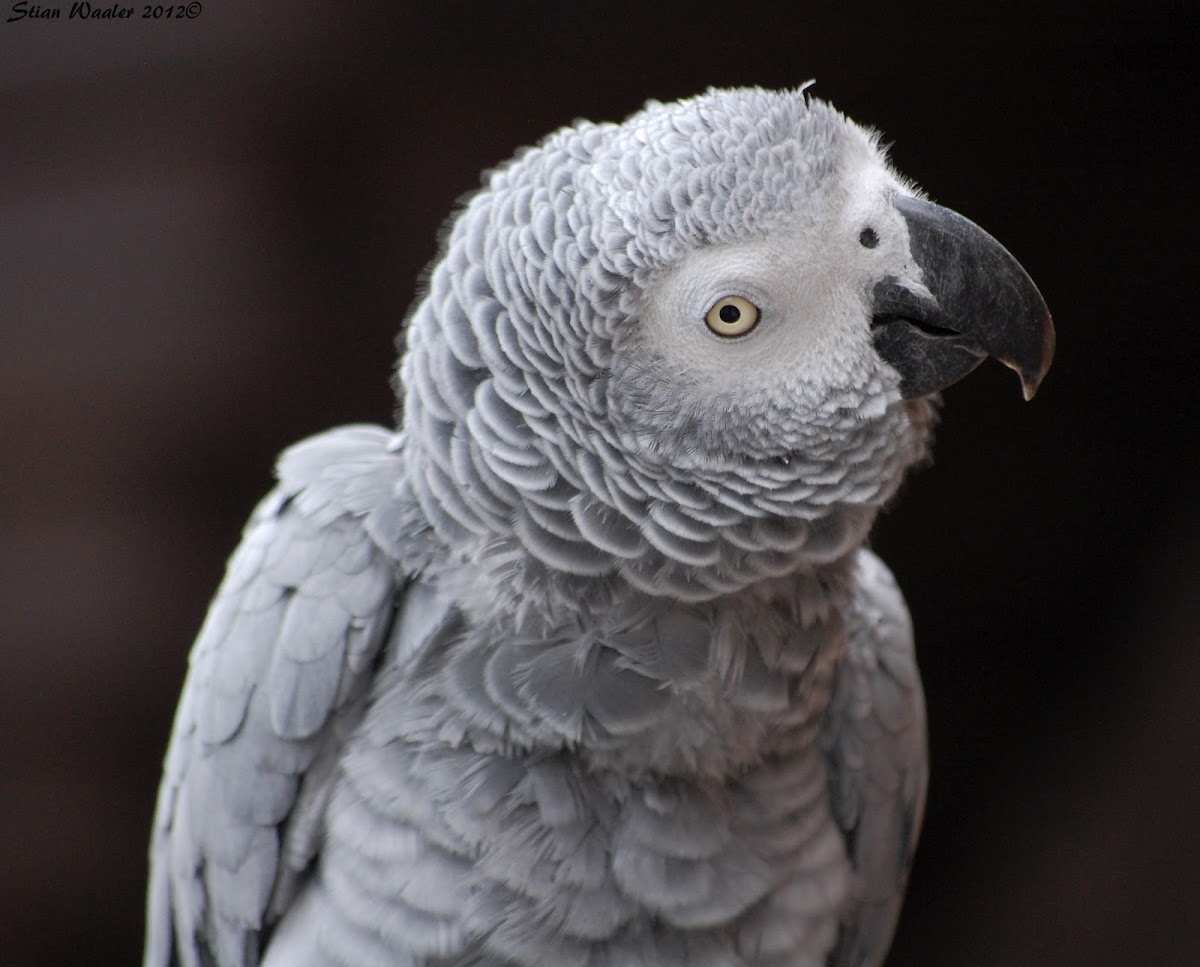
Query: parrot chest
656	793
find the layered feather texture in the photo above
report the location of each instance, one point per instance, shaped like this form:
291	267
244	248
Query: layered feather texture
525	404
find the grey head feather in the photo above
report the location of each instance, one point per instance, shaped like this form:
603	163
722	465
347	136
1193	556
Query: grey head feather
544	440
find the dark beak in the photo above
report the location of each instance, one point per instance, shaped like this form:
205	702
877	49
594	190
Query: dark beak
983	304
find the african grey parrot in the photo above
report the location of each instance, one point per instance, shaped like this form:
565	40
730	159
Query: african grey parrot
586	663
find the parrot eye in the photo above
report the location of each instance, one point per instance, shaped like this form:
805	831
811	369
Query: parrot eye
732	316
868	237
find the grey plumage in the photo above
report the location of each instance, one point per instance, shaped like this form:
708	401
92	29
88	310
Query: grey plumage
587	664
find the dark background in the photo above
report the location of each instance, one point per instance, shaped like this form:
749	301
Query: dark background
210	229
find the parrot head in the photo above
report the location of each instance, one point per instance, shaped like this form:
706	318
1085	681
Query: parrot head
699	348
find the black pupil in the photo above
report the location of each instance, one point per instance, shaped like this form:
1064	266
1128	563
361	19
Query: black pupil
730	313
867	238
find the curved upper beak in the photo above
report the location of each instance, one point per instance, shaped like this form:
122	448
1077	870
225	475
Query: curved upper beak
980	302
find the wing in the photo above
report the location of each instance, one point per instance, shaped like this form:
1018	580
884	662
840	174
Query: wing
277	678
875	740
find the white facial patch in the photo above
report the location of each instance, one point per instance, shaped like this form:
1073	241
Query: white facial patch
808	319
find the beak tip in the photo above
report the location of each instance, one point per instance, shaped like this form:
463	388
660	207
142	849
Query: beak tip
1031	377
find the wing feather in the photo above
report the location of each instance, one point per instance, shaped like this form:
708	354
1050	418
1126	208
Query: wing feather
876	745
277	680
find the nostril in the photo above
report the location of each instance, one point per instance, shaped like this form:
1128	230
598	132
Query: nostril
868	237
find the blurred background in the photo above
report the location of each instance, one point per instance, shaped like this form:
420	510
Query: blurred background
210	229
